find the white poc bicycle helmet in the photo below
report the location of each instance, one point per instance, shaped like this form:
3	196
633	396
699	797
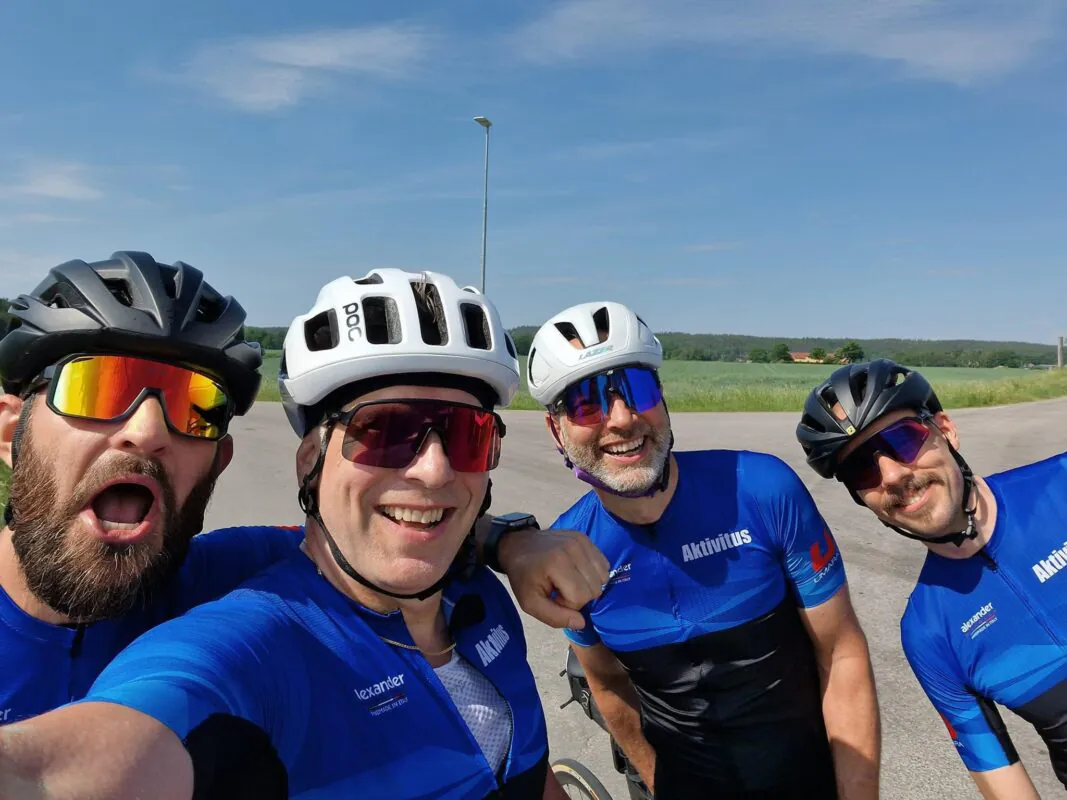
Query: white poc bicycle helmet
374	327
555	363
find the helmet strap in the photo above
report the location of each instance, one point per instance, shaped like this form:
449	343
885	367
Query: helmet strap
16	443
462	566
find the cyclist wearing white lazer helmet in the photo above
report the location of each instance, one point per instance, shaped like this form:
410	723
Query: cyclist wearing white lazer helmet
722	650
339	662
582	358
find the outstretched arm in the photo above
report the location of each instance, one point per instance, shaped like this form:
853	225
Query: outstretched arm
93	751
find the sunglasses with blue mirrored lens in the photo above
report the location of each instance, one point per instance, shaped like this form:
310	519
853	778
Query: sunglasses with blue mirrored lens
588	402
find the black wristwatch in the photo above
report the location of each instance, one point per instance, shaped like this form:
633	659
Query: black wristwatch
505	523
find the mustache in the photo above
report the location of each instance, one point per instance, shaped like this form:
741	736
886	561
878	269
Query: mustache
897	494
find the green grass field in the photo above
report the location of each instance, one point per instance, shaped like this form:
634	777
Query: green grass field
720	386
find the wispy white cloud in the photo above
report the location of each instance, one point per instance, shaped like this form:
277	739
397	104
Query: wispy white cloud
627	149
551	280
55	180
706	283
21	270
270	73
956	41
23	219
950	272
713	247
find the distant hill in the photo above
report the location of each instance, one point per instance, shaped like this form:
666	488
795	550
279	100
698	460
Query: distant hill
915	352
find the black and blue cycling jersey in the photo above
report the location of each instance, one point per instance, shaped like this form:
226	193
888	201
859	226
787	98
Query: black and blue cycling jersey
305	678
701	609
992	628
47	665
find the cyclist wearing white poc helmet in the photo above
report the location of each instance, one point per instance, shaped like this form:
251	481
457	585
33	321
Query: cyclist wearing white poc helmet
723	650
380	662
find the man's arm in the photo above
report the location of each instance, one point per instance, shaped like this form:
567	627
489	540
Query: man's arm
850	707
617	700
1006	783
553	573
93	751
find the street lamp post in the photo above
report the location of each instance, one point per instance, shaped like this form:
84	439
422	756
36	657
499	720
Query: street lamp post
487	124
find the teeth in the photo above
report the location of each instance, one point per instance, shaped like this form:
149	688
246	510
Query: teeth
118	526
621	448
430	516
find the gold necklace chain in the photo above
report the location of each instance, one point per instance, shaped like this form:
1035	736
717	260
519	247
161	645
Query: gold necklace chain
448	649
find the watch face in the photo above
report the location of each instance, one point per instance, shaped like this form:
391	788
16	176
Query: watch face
514	517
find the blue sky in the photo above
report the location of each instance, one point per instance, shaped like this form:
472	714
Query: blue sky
774	167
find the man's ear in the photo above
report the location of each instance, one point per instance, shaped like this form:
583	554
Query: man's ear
223	454
550	423
10	411
947	427
307	454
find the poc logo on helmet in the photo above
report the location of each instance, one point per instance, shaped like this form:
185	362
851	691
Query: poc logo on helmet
352	321
596	351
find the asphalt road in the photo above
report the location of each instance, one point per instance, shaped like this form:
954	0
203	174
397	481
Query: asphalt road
919	761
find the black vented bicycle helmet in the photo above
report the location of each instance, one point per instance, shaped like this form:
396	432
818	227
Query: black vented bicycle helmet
130	304
865	392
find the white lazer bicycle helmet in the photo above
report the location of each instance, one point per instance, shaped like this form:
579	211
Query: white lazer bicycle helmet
555	363
372	327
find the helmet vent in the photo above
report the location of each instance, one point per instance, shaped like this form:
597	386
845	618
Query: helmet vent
510	345
603	324
370	280
382	319
476	326
431	313
570	333
859	388
320	332
120	289
209	310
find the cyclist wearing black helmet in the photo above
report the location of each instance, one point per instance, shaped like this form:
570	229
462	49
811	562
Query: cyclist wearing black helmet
987	622
120	379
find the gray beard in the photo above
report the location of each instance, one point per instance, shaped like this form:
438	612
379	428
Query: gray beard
627	480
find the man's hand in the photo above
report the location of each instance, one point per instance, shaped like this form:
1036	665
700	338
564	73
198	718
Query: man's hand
553	574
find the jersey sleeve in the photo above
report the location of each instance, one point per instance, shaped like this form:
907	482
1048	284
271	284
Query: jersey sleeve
189	669
587	636
808	549
220	561
973	723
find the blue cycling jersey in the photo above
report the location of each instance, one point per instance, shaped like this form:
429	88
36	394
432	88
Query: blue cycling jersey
701	609
49	665
993	628
309	676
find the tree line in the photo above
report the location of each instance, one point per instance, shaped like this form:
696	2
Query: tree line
763	349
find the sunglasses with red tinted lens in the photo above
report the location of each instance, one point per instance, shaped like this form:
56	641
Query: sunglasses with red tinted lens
390	433
902	441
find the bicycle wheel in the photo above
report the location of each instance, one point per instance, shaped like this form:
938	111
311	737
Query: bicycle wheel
577	781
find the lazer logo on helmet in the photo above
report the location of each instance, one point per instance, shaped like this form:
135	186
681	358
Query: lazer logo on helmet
596	351
352	321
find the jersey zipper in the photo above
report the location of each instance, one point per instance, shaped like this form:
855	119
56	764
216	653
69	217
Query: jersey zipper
675	609
1003	575
76	645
